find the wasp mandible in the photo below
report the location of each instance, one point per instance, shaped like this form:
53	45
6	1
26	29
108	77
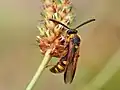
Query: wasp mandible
68	61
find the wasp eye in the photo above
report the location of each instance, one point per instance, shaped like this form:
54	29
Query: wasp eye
69	32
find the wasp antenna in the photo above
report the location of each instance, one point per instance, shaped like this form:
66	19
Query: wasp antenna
59	23
85	23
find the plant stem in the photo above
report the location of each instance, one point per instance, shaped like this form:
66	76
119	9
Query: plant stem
41	68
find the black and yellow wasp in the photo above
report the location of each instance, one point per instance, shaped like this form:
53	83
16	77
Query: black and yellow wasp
68	62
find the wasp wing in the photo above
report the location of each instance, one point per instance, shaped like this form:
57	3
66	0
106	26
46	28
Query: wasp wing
73	54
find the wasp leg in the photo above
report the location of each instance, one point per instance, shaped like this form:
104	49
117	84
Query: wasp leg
50	65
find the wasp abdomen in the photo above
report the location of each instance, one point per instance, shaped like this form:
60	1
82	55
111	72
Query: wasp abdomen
59	67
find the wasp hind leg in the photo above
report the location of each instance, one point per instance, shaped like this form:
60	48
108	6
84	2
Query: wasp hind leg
49	65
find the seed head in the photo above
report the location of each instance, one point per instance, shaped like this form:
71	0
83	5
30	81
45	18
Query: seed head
52	34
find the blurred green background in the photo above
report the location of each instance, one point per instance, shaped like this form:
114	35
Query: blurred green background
99	64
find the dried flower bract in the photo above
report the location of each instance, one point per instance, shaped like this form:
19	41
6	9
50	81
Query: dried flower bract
51	33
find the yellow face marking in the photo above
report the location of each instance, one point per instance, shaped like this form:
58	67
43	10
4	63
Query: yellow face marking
71	36
65	62
56	70
60	67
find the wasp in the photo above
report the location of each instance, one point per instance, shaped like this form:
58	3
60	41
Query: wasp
68	61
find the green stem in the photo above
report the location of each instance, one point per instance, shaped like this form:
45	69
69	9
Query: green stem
41	68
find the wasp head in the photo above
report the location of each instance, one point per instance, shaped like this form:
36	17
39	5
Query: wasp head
72	31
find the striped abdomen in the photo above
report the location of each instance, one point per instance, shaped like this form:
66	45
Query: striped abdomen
60	66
